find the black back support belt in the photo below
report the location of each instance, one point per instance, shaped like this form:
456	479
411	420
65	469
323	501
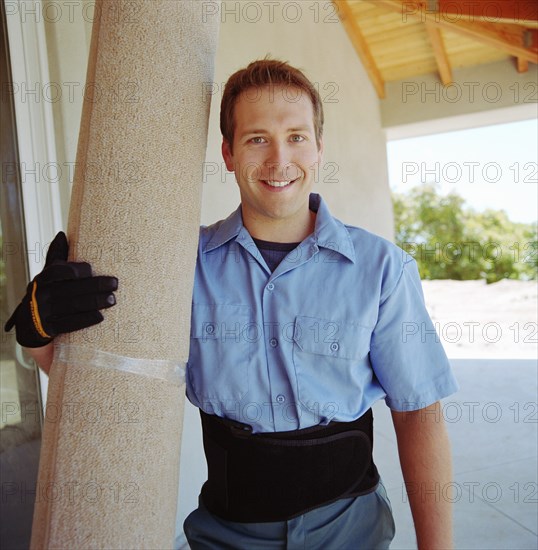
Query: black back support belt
276	476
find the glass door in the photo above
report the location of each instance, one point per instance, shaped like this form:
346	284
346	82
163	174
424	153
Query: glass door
20	403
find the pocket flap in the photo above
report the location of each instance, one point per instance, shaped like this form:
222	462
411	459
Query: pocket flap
346	340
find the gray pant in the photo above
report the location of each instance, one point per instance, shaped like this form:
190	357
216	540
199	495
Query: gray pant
360	523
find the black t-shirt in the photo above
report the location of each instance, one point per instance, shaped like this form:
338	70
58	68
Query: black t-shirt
274	253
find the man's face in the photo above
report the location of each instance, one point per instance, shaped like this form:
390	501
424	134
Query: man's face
275	156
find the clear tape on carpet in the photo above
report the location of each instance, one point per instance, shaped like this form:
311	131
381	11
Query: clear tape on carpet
170	371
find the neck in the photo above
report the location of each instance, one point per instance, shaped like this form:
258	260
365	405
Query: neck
281	231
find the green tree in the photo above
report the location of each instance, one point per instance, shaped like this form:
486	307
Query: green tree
451	241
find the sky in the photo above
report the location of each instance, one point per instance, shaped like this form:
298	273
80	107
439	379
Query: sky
490	167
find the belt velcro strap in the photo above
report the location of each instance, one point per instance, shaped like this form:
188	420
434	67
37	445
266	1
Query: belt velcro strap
276	476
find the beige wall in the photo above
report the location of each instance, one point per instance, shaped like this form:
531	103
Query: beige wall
478	96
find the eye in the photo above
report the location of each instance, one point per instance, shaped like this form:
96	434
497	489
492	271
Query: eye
257	139
297	138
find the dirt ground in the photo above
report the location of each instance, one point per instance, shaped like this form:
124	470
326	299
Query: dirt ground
476	320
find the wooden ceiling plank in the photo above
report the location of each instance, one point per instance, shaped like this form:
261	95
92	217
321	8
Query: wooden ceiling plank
361	46
399	33
514	39
363	8
378	31
390	61
441	57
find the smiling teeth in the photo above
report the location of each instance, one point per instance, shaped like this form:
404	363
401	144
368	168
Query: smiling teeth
278	183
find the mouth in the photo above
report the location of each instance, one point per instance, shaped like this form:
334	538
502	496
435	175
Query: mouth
278	185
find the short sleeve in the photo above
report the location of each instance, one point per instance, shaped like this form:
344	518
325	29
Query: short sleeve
406	354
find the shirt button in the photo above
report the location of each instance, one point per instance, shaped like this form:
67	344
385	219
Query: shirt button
210	328
280	398
270	286
335	346
273	342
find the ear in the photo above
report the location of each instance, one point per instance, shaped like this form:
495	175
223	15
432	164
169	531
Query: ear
227	155
320	151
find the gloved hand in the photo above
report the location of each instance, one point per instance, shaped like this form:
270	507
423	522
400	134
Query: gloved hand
64	297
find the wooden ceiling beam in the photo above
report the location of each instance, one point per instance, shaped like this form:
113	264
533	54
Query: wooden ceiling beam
513	39
361	46
522	65
441	57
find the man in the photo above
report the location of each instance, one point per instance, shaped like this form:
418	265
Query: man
296	330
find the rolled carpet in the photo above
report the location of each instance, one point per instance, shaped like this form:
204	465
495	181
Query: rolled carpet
109	466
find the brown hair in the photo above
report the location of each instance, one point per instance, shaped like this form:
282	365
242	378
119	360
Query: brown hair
266	72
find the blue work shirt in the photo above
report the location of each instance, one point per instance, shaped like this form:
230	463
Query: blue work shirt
339	324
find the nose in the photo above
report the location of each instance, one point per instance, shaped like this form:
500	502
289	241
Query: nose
276	153
277	160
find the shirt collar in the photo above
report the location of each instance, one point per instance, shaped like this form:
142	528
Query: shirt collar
227	230
328	232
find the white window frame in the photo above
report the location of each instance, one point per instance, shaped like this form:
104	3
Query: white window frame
35	134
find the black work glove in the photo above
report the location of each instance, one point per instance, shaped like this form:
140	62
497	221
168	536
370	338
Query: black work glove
64	297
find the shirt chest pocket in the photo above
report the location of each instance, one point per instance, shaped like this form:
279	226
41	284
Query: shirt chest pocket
331	363
220	351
